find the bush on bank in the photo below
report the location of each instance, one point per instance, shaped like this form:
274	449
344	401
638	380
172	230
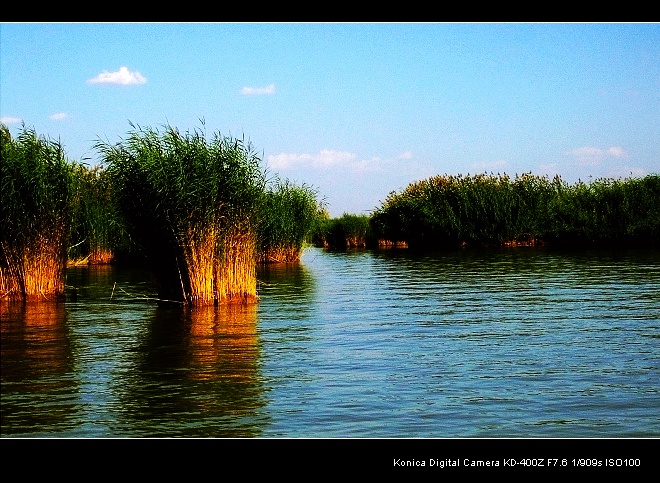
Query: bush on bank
347	231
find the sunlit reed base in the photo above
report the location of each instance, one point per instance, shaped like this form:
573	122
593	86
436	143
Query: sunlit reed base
280	255
213	269
36	274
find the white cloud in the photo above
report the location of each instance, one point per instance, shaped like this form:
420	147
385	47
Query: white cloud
406	155
616	152
59	116
326	159
592	156
10	120
248	91
122	77
287	160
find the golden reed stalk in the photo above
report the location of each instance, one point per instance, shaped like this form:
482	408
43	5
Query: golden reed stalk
236	277
200	259
37	273
220	269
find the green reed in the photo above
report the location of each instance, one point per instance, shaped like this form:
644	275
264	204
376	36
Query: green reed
37	187
190	205
487	210
288	216
347	231
97	233
606	212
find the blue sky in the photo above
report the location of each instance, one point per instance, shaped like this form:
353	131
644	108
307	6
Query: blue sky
355	110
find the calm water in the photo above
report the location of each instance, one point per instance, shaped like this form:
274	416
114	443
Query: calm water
500	343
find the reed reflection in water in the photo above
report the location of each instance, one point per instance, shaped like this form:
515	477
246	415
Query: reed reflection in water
195	374
37	360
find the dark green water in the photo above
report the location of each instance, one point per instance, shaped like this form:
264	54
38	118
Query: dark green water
500	343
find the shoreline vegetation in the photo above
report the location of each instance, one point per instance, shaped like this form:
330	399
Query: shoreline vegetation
35	216
201	214
495	210
198	211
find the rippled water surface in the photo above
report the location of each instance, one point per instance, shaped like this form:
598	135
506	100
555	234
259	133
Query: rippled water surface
500	343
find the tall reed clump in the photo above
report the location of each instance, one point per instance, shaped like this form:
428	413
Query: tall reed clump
451	211
606	212
190	204
445	211
37	186
97	231
289	215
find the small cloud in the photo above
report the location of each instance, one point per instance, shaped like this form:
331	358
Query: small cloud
327	158
324	159
287	160
121	77
60	116
592	156
616	152
406	155
10	120
250	91
369	165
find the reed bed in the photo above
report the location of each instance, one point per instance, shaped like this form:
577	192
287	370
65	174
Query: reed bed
190	205
488	210
347	231
37	187
606	212
289	214
97	231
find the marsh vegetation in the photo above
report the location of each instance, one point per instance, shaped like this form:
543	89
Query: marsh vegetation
198	211
201	213
496	210
35	216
